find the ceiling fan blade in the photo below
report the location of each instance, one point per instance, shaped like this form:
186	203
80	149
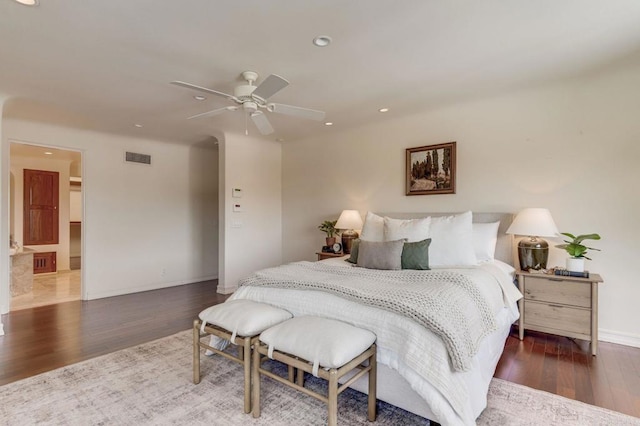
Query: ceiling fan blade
203	89
262	122
295	111
214	112
270	86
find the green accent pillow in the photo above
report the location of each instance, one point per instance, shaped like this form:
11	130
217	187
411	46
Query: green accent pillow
355	245
416	255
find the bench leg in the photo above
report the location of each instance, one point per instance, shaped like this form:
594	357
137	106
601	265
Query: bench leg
373	377
196	352
246	359
300	378
255	378
333	397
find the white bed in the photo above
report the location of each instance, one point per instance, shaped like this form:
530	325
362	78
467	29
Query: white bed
415	371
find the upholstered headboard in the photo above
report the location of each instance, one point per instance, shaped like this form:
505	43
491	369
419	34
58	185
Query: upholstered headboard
504	246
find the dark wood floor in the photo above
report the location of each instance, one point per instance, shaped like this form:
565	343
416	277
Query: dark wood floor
45	338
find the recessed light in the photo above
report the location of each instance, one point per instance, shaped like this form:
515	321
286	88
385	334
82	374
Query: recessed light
322	41
138	125
48	153
199	97
279	139
383	110
29	2
328	123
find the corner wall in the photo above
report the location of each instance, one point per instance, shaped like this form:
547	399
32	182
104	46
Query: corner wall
571	147
250	239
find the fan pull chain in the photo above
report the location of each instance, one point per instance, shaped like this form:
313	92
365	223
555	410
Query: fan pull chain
246	124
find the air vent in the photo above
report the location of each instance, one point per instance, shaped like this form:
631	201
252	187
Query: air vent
134	157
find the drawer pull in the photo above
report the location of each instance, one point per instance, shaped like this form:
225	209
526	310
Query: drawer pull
555	279
555	306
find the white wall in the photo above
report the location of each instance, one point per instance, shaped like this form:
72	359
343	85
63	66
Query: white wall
145	227
18	164
251	239
572	147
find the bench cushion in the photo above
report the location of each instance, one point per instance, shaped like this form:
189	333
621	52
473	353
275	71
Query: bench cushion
325	342
243	317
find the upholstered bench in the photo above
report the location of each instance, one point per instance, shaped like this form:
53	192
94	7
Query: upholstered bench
240	322
326	348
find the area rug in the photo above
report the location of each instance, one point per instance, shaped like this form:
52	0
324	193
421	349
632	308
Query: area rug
151	384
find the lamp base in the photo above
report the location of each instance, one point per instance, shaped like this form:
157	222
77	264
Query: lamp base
347	240
533	253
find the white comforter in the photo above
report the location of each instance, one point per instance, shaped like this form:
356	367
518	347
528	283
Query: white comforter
403	345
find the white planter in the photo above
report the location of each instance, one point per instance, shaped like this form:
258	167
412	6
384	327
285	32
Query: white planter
575	264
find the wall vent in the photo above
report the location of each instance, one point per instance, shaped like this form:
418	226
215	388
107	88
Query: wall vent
134	157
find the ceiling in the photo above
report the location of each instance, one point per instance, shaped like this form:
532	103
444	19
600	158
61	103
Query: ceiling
106	65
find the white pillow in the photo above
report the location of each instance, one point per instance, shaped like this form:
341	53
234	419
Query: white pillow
373	228
485	237
330	343
452	241
243	317
413	230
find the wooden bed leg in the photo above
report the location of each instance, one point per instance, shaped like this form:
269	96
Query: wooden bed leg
255	379
196	351
373	378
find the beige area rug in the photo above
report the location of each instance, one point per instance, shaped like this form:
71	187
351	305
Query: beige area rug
151	384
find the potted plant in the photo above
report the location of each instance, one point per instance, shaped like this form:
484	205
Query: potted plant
329	228
577	250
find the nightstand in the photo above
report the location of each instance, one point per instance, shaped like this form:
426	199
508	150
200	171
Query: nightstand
323	256
565	306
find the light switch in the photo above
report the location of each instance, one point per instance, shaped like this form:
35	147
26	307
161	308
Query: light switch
237	208
236	193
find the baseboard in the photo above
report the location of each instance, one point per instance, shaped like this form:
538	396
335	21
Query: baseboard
140	289
620	338
227	290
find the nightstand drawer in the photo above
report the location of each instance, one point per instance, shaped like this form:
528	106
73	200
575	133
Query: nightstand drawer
559	317
558	291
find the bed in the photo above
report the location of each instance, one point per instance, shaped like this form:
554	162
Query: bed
419	370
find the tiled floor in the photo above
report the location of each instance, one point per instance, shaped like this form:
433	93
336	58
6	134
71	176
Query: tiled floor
48	289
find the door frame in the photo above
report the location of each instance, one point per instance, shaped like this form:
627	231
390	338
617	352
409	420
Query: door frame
5	279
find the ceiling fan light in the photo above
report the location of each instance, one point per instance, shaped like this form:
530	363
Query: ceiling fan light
29	2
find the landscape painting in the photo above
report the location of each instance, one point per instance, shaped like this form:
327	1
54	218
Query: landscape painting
431	169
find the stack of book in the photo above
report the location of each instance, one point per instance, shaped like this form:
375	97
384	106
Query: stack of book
566	273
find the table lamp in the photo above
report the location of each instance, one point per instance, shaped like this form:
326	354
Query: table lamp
533	223
349	220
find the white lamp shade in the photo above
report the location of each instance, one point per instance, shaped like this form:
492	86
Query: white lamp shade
349	219
534	222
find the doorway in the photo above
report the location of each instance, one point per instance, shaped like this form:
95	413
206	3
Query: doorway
31	283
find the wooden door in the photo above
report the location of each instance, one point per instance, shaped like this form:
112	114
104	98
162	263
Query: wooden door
41	197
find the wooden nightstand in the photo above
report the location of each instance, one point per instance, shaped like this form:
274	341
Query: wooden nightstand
565	306
323	256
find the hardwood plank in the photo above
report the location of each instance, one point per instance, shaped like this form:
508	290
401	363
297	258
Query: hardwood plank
49	337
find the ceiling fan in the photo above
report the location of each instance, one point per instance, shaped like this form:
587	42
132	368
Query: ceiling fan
252	99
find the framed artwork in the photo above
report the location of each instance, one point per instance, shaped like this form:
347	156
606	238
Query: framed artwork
431	169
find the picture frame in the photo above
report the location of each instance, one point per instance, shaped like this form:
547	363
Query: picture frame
431	169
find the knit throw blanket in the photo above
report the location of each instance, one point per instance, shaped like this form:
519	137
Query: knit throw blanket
445	302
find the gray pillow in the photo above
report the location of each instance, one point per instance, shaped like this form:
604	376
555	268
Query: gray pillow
416	255
380	255
355	244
